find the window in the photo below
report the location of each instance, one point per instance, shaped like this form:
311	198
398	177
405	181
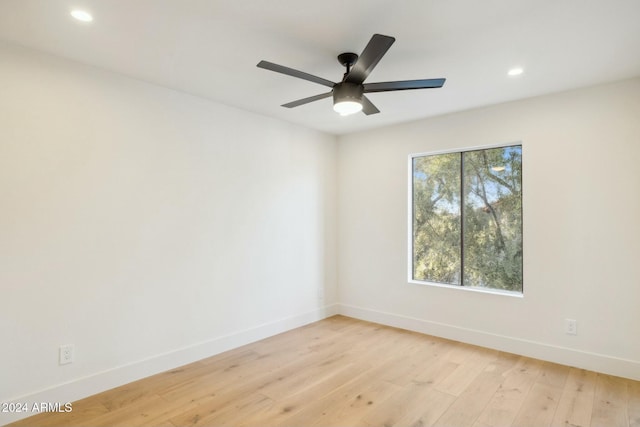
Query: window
466	218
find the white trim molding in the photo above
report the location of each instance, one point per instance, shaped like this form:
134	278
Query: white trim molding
603	363
101	381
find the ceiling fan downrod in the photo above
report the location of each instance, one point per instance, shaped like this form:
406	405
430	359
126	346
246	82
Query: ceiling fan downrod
347	59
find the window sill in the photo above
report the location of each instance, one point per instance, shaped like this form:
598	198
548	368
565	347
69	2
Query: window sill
471	289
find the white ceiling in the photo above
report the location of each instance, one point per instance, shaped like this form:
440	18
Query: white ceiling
210	48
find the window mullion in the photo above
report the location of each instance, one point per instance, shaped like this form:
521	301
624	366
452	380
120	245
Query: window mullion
461	219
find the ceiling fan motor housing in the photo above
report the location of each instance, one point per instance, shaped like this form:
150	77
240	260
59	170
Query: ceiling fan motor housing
347	92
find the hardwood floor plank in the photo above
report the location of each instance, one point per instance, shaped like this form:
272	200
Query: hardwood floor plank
280	411
576	402
508	399
610	401
424	359
471	402
300	377
542	400
346	406
634	403
553	374
148	411
415	404
539	406
471	362
214	414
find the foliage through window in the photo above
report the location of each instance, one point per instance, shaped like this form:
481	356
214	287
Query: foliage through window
467	218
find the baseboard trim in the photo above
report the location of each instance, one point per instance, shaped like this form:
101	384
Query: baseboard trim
566	356
101	381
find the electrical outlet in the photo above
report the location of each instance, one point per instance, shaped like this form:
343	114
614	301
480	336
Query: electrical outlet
66	354
570	327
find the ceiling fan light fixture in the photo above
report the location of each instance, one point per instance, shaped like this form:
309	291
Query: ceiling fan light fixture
516	71
81	15
347	98
346	108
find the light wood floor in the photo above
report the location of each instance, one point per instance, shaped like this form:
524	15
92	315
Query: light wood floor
345	372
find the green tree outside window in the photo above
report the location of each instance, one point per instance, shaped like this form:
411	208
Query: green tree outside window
467	218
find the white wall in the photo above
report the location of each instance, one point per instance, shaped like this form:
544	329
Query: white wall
581	186
148	227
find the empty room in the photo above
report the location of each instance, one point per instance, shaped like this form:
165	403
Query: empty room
296	213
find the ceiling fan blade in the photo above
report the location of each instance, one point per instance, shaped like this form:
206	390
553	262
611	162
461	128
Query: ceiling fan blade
403	85
294	73
368	107
369	58
307	100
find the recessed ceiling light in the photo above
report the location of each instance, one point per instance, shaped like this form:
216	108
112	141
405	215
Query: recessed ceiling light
82	15
498	168
516	71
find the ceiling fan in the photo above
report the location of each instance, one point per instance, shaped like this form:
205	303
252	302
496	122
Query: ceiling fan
348	94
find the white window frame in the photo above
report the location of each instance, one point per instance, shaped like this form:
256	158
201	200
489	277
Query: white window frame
410	279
